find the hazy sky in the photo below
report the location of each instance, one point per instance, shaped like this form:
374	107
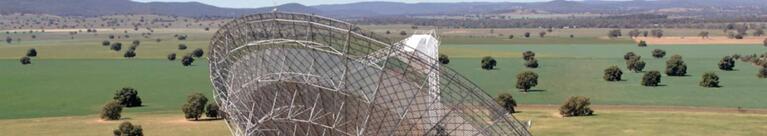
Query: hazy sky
268	3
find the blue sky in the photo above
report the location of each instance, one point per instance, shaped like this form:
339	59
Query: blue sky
268	3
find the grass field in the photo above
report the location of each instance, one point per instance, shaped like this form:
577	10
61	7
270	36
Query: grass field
545	123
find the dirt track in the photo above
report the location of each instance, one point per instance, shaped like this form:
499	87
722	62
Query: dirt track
699	41
652	108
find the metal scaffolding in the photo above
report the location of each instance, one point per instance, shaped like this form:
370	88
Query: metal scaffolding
298	74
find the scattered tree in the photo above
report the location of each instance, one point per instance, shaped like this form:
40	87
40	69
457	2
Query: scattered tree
443	59
759	32
32	52
212	110
629	55
111	110
128	129
528	55
25	60
762	73
710	80
676	66
542	34
527	34
187	60
658	33
195	106
130	53
765	42
651	78
532	63
507	102
642	44
403	33
136	42
527	80
727	63
658	53
8	40
127	97
105	43
117	46
635	63
576	106
488	63
613	73
172	56
703	34
197	53
614	33
182	47
511	36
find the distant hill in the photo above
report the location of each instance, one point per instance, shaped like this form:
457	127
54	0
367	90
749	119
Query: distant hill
372	9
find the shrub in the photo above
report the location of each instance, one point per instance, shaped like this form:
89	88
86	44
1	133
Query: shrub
31	52
187	60
642	44
443	59
533	63
527	80
488	63
172	56
507	102
212	110
528	55
130	53
111	111
727	63
762	73
658	53
710	80
613	73
576	106
105	43
651	78
182	47
127	97
128	129
197	53
676	66
25	60
195	106
117	46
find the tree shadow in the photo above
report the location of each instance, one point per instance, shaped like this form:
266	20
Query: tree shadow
536	90
208	119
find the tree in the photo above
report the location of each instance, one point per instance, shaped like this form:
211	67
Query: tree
703	34
488	63
130	53
117	46
651	78
443	59
32	52
182	47
507	102
642	44
388	32
676	66
197	53
542	34
172	56
533	63
128	129
658	33
105	43
127	97
759	32
212	110
762	73
528	55
634	33
511	36
25	60
635	63
527	80
403	33
629	55
727	63
8	40
527	34
195	106
710	80
658	53
136	42
613	73
111	110
614	33
576	106
187	60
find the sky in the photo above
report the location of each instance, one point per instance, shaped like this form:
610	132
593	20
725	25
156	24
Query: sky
269	3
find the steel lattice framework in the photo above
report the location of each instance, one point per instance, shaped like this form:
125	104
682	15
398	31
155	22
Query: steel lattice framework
298	74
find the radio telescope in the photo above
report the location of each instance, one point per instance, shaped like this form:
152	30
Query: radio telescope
299	74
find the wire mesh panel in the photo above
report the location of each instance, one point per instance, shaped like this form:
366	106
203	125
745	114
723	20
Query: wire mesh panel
297	74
